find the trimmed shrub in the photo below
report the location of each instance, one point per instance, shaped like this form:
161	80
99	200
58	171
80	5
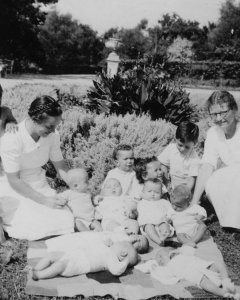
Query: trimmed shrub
88	140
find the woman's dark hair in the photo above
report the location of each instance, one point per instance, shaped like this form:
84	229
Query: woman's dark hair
43	107
220	97
121	147
141	167
187	132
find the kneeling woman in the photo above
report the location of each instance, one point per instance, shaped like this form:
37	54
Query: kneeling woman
219	174
31	208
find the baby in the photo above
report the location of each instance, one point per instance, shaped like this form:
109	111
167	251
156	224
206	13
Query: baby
124	157
79	200
169	267
187	220
113	257
152	212
117	212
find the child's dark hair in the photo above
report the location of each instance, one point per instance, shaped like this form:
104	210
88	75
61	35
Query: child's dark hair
187	132
141	167
121	147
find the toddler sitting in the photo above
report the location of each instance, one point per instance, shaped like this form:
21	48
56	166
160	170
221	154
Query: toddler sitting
79	200
113	257
152	212
169	267
116	211
187	220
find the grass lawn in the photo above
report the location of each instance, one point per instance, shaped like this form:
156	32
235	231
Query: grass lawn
13	276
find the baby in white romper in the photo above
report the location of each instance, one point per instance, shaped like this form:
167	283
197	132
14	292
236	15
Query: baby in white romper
113	257
169	267
187	220
117	212
79	200
152	212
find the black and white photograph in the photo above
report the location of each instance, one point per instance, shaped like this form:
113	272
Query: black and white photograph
119	149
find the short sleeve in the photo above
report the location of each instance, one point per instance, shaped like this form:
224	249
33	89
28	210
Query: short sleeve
55	150
210	154
164	156
10	152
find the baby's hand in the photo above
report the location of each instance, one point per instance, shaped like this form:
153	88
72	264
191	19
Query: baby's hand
97	199
11	127
96	226
199	217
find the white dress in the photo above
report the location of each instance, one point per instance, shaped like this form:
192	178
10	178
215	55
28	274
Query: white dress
223	187
20	153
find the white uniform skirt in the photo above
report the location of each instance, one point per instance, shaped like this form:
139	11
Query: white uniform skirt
223	190
33	221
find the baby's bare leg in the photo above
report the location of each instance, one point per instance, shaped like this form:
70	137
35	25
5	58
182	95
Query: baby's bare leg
49	272
211	287
201	231
185	239
80	226
47	260
152	233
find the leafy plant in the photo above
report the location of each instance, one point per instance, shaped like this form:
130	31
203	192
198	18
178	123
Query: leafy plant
143	88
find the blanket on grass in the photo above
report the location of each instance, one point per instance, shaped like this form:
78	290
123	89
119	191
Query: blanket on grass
132	285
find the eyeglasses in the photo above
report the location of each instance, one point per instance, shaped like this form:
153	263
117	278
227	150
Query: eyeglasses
222	114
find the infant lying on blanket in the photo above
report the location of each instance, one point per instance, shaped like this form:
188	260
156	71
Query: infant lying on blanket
81	239
117	212
171	266
113	257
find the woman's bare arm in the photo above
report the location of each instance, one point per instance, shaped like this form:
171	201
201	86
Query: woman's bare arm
204	174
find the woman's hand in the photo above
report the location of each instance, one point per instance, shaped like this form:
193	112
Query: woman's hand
55	203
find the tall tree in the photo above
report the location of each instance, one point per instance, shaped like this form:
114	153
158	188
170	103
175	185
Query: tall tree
68	45
19	20
225	37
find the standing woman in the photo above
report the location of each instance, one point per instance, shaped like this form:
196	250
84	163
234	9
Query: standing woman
219	173
29	206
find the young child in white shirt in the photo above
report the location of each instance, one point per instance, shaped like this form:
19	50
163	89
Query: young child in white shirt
79	200
187	220
152	212
180	162
147	168
116	211
113	257
169	267
124	156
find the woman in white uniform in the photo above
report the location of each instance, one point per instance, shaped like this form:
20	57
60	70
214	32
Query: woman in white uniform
219	173
29	206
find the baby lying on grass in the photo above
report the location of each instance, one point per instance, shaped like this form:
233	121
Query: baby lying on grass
169	267
113	257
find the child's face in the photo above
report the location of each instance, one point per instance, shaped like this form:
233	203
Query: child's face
131	226
79	183
184	148
112	187
125	160
164	231
153	170
179	204
162	257
140	243
152	191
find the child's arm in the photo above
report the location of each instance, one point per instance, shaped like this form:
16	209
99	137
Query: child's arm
152	233
10	122
190	182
